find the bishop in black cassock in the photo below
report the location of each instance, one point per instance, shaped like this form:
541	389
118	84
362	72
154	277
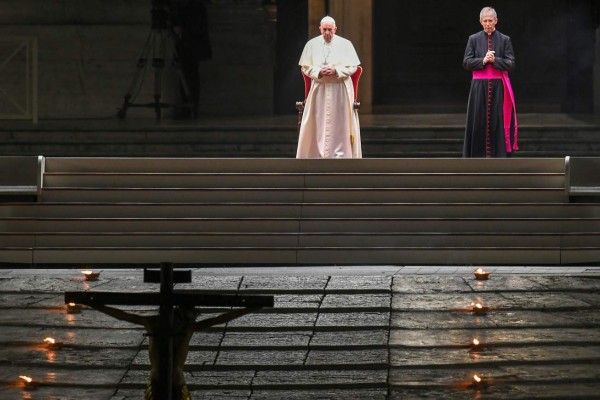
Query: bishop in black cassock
491	128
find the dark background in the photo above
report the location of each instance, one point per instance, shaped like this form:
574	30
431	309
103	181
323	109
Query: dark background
418	46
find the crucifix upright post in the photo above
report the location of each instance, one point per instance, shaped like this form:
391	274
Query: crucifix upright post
165	364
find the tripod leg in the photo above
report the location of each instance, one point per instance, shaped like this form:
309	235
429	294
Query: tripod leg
187	83
159	64
137	76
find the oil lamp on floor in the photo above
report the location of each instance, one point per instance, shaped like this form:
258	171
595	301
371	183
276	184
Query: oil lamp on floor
73	308
26	381
90	275
52	344
479	308
481	275
478	382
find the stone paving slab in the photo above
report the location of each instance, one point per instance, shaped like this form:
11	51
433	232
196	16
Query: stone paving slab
13	300
41	284
550	300
321	394
23	338
592	299
101	383
58	392
360	283
546	319
328	377
312	301
506	300
492	337
579	283
503	283
141	359
424	377
57	317
337	301
430	283
561	391
498	320
220	394
558	381
282	283
207	282
448	302
70	357
207	379
589	318
345	338
205	338
273	339
261	357
298	321
372	320
529	354
375	358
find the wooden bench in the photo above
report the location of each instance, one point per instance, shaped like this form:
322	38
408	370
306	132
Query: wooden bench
21	176
582	177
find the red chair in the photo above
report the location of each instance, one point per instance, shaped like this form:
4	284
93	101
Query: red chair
307	82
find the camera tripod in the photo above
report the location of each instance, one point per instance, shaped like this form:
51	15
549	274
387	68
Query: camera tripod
154	49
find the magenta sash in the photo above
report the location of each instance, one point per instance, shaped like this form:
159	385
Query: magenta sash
509	107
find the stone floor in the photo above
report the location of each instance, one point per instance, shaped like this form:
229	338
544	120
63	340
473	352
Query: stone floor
384	332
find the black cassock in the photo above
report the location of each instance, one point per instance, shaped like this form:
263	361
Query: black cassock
484	133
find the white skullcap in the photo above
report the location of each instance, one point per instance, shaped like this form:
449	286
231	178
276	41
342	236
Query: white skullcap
328	19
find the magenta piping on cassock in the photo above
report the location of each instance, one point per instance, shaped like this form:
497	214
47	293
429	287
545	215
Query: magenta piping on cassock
509	107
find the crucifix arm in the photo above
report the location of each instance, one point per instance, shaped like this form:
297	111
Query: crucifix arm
120	314
226	317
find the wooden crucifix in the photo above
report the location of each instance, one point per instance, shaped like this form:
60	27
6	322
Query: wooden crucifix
171	330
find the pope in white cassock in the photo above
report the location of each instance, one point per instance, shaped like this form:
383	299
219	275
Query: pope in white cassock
329	127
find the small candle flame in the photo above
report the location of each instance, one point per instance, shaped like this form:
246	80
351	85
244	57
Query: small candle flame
71	304
479	271
475	342
26	379
476	378
86	272
49	341
479	306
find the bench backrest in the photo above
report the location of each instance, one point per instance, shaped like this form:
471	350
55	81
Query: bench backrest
21	175
582	176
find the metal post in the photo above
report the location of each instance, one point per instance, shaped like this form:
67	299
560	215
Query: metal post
165	364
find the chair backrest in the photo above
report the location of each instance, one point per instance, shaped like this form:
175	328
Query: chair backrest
307	83
355	78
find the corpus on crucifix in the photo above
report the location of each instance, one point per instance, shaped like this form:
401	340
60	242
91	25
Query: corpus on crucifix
170	331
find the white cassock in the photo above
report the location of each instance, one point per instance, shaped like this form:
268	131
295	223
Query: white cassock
330	126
